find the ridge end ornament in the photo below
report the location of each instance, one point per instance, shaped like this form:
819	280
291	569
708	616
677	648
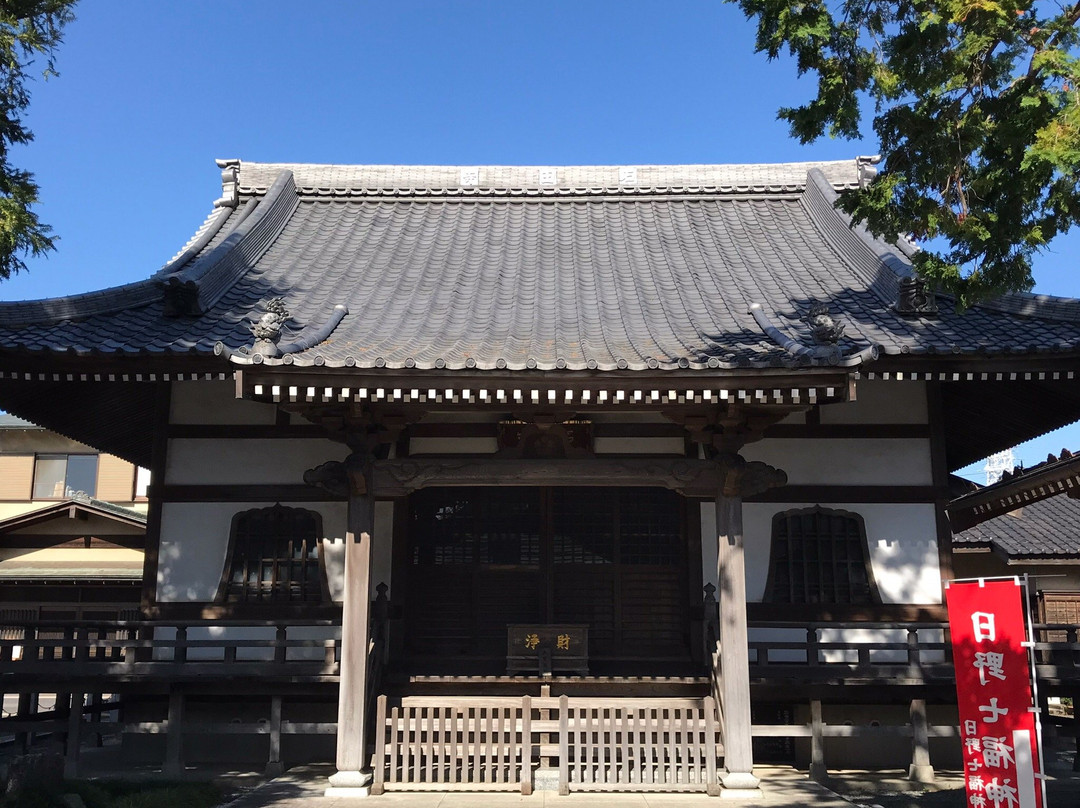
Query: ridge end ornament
915	299
267	329
824	328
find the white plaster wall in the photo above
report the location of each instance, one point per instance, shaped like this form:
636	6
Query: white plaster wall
846	461
382	548
215	403
195	539
193	461
902	543
668	446
880	402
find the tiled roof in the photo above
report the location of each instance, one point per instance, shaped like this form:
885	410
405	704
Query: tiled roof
1049	528
532	267
1020	487
8	421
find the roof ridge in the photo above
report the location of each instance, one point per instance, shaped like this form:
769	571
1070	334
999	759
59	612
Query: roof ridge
253	177
1028	304
86	304
879	263
195	288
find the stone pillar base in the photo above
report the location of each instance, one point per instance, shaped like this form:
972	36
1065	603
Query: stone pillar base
921	773
349	784
740	785
818	773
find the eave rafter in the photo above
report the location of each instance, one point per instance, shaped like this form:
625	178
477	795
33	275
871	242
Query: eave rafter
545	391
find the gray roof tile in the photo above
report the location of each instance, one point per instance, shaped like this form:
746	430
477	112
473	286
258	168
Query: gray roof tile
589	273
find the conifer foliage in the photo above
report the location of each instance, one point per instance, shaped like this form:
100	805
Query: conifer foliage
30	30
976	108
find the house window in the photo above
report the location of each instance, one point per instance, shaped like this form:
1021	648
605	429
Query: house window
58	476
819	556
274	557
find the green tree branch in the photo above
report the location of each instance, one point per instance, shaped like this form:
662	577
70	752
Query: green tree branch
976	111
29	30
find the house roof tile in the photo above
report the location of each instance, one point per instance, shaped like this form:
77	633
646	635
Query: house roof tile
1049	528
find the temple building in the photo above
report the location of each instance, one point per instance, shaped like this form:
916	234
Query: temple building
587	478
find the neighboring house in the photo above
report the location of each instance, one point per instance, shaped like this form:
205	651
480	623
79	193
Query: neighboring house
72	528
598	446
1028	523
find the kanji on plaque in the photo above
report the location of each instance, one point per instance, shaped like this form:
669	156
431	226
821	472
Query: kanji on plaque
993	688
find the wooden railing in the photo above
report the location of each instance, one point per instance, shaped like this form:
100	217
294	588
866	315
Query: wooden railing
165	647
904	652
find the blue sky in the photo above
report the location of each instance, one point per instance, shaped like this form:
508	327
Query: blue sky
150	93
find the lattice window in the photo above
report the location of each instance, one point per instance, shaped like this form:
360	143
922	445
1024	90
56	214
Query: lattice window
650	526
820	556
583	526
274	557
475	526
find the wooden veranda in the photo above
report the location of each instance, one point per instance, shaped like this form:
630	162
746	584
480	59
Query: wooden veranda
569	732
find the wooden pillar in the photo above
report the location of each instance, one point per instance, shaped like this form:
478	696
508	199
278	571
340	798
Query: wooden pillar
353	776
739	479
734	646
274	766
174	735
920	771
818	771
27	706
73	740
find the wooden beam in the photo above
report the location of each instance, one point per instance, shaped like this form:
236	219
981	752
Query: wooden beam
394	478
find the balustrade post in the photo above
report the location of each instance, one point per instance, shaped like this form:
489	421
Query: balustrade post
180	649
812	646
281	636
30	644
914	658
131	648
82	650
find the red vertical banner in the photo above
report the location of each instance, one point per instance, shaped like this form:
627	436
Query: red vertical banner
998	726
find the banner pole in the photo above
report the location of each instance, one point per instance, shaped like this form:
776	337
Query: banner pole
1025	583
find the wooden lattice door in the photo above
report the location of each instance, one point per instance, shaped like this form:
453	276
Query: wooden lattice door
481	558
